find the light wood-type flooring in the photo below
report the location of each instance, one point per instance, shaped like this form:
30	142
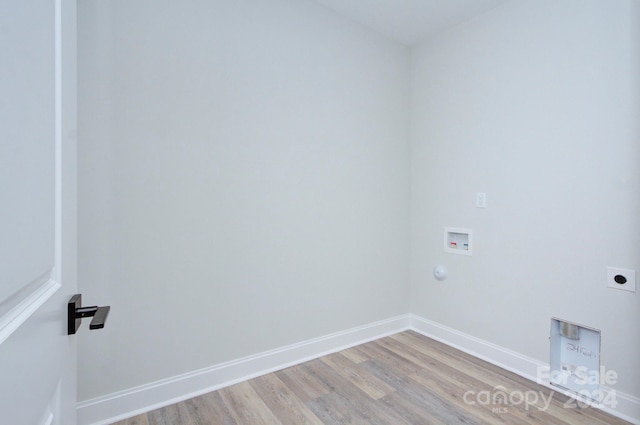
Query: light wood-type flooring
401	379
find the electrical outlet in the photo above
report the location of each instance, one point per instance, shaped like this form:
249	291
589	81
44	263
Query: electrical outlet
481	200
623	279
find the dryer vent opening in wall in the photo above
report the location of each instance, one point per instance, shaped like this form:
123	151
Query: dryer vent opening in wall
575	358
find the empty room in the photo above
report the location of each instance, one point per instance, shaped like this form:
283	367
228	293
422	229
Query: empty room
321	212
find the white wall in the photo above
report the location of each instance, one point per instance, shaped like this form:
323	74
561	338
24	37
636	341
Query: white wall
244	181
536	104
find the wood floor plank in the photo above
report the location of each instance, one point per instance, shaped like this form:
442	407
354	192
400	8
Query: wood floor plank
454	389
375	351
495	377
210	409
472	377
283	402
171	415
355	355
465	399
360	402
403	379
136	420
246	406
306	386
501	378
436	375
410	412
361	378
439	409
334	409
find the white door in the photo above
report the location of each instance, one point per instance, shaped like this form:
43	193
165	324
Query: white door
37	211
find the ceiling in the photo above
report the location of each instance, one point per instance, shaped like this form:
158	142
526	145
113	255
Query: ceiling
410	21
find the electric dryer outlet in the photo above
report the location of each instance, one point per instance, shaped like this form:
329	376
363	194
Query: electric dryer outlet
622	279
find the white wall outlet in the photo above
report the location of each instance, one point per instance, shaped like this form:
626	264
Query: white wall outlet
623	279
481	200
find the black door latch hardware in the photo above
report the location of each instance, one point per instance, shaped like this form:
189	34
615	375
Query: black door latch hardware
75	314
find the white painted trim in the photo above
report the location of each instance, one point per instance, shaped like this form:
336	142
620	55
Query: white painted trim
628	407
492	353
58	141
123	404
47	419
133	401
19	314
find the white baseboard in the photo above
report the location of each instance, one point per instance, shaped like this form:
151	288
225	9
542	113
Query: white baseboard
117	406
492	353
627	408
123	404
